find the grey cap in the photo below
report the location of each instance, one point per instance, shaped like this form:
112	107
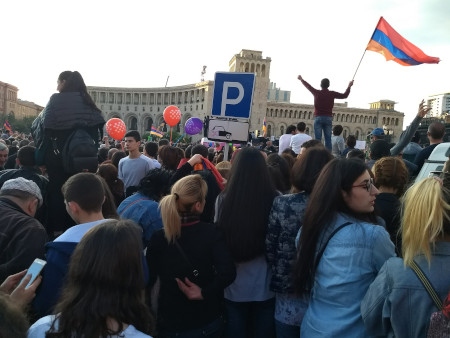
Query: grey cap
25	185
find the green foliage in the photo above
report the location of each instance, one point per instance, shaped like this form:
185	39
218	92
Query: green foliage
23	125
175	137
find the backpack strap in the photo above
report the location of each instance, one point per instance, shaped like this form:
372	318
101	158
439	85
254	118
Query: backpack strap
320	254
427	284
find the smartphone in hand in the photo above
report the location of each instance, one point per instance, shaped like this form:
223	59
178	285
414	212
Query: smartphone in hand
34	270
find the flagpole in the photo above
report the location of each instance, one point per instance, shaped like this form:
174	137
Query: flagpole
366	48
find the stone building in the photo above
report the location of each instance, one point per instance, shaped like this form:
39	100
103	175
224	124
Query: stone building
140	108
10	105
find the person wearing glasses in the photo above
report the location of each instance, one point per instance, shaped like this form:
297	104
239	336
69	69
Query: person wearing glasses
341	249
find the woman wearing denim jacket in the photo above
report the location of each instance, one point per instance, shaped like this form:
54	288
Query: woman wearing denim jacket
343	194
397	304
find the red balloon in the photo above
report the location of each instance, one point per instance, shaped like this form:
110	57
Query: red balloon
116	128
172	115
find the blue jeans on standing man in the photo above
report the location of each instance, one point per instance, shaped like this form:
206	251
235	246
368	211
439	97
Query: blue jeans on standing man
323	123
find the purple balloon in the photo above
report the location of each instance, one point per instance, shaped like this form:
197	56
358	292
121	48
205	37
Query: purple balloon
193	126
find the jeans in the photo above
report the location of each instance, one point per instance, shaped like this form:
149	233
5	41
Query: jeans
211	330
286	331
250	319
323	123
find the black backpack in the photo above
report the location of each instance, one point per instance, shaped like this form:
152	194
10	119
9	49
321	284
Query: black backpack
79	153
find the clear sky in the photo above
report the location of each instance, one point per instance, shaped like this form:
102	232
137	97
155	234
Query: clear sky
139	43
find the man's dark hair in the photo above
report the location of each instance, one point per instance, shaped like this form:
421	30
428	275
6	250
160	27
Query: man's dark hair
358	153
134	134
311	143
25	155
325	83
151	148
290	129
289	151
351	141
379	149
188	151
301	126
102	154
163	142
155	184
436	130
86	189
337	130
200	149
23	143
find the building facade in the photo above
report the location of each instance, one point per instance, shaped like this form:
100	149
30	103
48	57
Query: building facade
10	105
140	108
439	103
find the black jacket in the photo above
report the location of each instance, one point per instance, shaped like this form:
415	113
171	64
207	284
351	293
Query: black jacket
22	239
205	248
63	113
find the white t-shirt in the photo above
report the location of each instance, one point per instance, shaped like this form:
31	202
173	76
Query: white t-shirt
284	142
297	140
38	329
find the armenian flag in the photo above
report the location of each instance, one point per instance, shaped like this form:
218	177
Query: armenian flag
386	41
156	132
264	127
7	126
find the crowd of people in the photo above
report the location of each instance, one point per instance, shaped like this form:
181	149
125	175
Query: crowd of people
311	239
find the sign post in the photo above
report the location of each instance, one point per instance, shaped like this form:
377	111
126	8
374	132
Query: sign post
231	108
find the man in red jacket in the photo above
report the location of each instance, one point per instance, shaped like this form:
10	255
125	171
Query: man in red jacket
323	108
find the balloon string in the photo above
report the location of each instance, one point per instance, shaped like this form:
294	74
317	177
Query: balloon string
170	134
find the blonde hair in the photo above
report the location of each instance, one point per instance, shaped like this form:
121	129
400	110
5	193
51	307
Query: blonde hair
183	196
224	168
424	213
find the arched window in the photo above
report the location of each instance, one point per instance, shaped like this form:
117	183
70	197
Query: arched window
133	123
281	130
149	124
269	131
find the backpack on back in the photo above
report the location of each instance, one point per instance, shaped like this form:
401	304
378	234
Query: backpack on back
440	320
79	153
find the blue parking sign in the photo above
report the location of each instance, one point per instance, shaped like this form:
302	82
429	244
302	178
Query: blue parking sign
233	95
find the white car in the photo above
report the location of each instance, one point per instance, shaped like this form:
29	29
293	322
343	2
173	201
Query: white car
435	163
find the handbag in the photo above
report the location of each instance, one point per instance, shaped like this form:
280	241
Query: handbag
180	249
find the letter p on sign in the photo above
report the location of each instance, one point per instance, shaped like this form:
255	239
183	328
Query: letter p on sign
233	95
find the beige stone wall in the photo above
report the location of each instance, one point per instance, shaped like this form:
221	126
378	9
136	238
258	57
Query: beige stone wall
8	98
27	109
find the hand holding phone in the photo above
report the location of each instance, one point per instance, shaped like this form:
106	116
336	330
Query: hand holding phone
34	270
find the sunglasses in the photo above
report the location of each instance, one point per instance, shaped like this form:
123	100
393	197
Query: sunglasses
368	184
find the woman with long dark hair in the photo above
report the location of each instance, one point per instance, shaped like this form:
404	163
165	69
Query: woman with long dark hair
342	247
243	212
66	111
104	292
285	219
